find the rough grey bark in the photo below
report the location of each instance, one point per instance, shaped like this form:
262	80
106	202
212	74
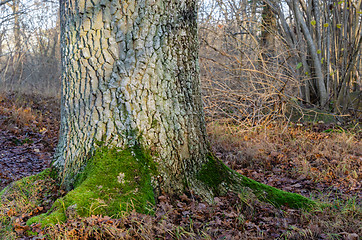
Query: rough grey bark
131	76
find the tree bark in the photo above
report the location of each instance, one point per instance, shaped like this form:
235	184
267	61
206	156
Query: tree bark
267	28
322	91
131	76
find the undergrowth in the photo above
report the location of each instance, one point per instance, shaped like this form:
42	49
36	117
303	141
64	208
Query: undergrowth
23	199
316	160
311	151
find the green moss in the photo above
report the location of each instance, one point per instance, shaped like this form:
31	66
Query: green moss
23	196
4	190
276	196
154	123
113	181
45	219
216	175
53	173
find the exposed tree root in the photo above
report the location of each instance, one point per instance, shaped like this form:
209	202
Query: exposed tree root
221	179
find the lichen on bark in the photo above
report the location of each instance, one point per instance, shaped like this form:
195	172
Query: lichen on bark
130	65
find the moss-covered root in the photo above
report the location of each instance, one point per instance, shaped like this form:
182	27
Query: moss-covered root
25	184
221	178
113	181
275	196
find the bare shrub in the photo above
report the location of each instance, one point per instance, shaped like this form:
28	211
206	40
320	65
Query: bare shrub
244	81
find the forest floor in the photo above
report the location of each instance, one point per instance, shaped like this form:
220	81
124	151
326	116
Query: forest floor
322	161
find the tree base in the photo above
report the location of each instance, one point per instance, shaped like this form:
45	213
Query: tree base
113	181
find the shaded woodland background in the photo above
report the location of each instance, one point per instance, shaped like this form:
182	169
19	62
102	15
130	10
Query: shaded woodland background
260	60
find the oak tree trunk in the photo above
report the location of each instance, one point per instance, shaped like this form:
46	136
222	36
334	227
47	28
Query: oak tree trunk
131	76
130	80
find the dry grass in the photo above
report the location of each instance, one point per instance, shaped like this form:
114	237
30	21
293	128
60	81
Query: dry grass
318	160
22	200
320	152
20	117
28	112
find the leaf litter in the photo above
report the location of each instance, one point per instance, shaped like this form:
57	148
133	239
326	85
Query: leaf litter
309	159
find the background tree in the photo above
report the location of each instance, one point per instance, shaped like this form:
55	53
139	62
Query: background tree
16	61
328	29
30	57
269	26
232	46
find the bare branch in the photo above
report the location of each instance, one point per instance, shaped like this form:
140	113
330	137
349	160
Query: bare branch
5	2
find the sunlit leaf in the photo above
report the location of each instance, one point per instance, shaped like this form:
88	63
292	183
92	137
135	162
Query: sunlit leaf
326	25
299	65
319	51
313	22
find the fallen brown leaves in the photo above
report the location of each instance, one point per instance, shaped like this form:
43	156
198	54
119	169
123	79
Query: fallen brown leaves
315	159
186	218
28	135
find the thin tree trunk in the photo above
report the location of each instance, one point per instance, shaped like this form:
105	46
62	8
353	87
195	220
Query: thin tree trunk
317	17
322	92
16	31
306	69
268	26
328	46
